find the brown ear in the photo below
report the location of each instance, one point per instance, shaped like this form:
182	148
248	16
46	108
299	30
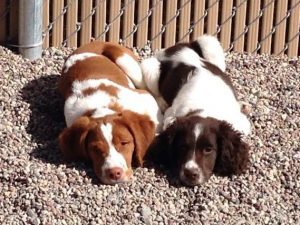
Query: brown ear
160	150
72	139
233	152
143	130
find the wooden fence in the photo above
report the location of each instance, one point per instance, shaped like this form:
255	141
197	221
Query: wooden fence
256	26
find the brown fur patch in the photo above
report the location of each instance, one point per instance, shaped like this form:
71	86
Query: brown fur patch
112	91
116	107
72	139
97	67
110	50
143	130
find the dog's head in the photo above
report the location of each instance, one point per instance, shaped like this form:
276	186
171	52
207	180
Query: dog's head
110	143
196	147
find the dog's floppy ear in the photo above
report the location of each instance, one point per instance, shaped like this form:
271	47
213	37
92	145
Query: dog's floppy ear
72	139
143	130
160	151
233	152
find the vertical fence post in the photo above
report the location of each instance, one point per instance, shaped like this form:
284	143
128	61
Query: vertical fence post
30	28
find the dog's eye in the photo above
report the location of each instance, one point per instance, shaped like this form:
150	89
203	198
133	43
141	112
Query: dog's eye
207	150
123	143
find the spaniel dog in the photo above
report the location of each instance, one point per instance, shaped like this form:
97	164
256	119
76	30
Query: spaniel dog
109	121
203	123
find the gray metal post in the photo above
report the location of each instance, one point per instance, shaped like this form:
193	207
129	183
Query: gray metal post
30	28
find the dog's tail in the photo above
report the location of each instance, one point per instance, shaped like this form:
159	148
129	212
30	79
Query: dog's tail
209	48
151	68
127	61
122	56
151	71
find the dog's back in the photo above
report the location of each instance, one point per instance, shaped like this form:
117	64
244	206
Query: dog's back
189	77
105	60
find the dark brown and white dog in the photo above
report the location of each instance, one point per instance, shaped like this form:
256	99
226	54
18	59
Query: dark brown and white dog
108	121
203	122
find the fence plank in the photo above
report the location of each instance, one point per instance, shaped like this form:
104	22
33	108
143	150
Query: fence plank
71	23
13	22
279	37
46	12
100	19
86	22
254	27
57	30
266	29
114	19
286	34
184	20
294	25
128	22
170	33
225	34
3	16
143	7
156	24
199	9
239	25
212	17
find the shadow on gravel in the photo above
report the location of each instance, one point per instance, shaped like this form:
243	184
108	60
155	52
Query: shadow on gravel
47	121
46	117
154	160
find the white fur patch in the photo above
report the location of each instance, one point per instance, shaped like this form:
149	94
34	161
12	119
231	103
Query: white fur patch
77	104
213	97
79	86
151	72
130	83
191	164
212	51
114	158
132	68
75	58
198	130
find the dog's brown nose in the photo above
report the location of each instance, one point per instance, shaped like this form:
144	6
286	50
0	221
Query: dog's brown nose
114	173
191	174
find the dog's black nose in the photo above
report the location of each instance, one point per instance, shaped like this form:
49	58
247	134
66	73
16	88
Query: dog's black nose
191	174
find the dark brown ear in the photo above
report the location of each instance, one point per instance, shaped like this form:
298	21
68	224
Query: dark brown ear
160	150
143	130
72	139
233	152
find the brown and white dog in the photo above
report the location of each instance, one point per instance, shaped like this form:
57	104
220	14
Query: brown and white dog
108	121
203	123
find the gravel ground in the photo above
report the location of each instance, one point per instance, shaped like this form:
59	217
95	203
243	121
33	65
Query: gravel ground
37	187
